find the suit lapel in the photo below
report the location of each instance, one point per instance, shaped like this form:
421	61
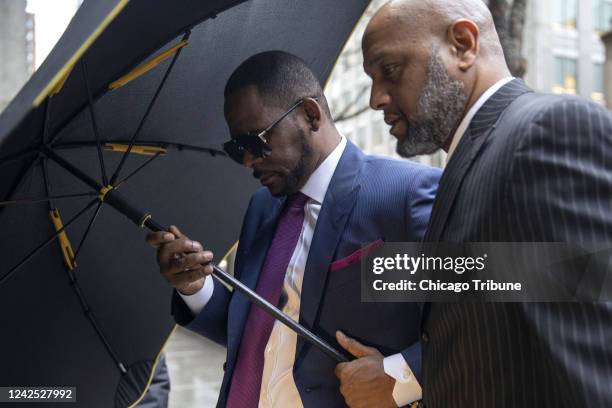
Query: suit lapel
453	175
470	145
337	205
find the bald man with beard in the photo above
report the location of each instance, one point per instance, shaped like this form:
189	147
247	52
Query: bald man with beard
522	167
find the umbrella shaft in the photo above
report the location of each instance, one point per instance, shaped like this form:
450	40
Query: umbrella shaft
267	306
279	315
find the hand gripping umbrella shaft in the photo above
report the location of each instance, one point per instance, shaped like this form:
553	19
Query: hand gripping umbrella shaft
116	200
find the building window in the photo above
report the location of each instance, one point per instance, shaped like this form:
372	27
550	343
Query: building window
565	76
565	14
602	15
598	83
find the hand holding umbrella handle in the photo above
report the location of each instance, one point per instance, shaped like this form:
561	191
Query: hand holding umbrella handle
265	305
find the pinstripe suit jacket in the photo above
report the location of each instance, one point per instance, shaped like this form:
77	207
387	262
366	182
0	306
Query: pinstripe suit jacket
531	167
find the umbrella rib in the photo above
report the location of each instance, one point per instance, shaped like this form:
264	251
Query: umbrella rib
45	173
45	199
17	157
178	146
91	222
71	168
138	169
76	287
19	182
46	122
147	112
45	244
94	122
92	319
79	292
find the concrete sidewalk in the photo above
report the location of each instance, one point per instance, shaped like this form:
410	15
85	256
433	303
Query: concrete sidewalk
196	369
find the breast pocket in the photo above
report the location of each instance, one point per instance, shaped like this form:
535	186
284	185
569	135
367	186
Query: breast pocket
342	308
388	326
343	269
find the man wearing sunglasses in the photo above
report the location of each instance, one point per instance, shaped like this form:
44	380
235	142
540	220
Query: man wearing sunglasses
324	205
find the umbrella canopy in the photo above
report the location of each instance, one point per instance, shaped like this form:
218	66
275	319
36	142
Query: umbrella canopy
145	76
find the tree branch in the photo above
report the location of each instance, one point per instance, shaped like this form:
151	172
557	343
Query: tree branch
352	115
344	113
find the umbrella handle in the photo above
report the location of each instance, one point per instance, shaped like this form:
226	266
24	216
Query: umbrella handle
269	308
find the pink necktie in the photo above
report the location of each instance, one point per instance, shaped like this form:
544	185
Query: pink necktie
246	379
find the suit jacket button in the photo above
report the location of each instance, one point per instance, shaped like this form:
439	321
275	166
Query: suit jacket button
308	389
224	365
425	337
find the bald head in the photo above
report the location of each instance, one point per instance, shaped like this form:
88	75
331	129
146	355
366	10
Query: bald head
431	19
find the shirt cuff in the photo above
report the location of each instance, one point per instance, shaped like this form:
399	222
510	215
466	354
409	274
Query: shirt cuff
198	300
407	389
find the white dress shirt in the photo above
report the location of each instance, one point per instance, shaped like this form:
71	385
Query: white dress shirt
278	389
467	119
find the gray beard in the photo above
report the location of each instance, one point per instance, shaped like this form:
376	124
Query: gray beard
439	110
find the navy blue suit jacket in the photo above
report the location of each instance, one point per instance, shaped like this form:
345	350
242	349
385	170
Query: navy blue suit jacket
369	198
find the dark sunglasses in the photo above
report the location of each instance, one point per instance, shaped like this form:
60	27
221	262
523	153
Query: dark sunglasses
254	143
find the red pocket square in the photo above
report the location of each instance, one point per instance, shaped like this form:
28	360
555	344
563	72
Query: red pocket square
356	256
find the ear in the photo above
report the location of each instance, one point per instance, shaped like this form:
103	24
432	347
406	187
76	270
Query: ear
314	113
464	37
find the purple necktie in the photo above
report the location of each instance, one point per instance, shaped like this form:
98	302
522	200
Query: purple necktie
246	380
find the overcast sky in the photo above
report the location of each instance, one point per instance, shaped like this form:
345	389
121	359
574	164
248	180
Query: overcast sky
52	18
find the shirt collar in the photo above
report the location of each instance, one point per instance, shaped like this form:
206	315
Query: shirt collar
316	185
467	119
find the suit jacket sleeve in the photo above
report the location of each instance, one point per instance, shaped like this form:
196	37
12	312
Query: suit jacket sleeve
420	198
211	322
561	189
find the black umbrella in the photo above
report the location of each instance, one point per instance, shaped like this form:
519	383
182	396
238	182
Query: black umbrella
130	97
